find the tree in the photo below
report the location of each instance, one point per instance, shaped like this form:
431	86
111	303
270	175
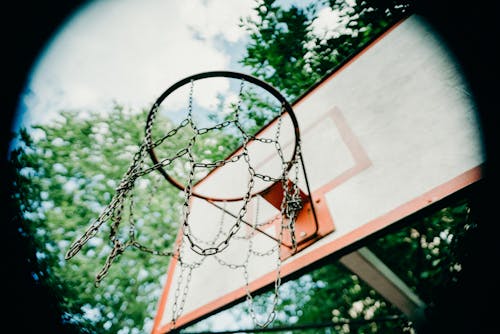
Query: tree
286	51
66	172
278	48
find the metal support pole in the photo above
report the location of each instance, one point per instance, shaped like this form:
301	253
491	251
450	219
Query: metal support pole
375	273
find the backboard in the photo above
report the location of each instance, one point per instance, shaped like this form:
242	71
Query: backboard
387	134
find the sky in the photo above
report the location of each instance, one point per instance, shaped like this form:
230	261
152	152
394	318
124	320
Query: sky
130	51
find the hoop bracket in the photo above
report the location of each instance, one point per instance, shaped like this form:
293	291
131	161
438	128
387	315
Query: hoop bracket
312	223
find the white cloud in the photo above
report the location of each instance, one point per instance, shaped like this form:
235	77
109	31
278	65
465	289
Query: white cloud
326	23
211	18
130	51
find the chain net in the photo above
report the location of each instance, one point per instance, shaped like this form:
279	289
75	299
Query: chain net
233	215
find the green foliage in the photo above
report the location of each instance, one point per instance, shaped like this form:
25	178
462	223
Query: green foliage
285	51
332	294
67	173
429	249
277	52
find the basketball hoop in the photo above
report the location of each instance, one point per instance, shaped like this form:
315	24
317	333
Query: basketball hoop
287	108
276	182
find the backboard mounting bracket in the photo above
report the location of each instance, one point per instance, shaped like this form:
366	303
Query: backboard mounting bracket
313	221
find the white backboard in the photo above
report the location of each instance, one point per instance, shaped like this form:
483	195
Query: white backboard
387	134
